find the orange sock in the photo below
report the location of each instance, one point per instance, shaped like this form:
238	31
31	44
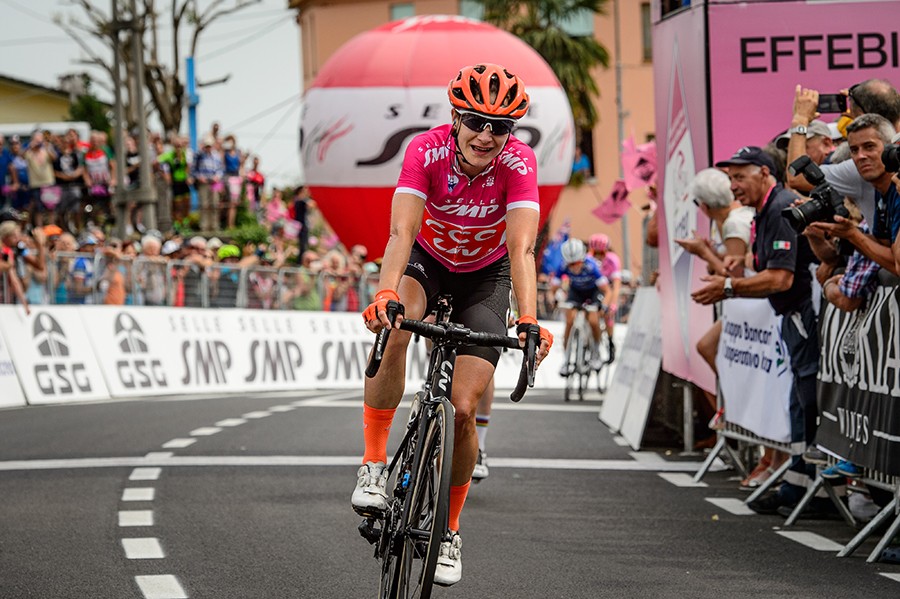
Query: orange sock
376	430
457	500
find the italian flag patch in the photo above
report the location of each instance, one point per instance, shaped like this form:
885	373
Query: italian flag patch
781	245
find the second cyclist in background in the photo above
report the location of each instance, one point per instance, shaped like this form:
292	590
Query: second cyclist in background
611	267
588	288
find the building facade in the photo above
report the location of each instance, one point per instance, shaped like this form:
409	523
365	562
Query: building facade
325	25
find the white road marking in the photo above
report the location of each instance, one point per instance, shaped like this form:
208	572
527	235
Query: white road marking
145	473
179	443
323	398
287	460
620	441
516	407
731	505
680	479
136	518
811	540
282	408
147	548
256	415
892	576
231	422
158	455
139	494
646	457
205	431
160	586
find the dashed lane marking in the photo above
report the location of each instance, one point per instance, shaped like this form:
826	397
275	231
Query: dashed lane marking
141	473
229	422
895	577
680	479
205	431
257	415
265	461
159	455
139	494
160	586
811	540
136	518
282	408
179	443
146	548
731	505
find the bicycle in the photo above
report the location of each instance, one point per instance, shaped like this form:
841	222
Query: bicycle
578	353
416	519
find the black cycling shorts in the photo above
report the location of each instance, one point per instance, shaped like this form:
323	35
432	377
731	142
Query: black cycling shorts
480	299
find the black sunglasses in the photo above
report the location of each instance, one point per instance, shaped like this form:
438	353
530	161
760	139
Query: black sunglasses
855	101
477	123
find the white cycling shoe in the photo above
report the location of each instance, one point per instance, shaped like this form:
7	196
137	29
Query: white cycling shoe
481	471
449	562
370	495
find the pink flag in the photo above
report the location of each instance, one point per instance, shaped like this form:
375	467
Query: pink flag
615	205
638	163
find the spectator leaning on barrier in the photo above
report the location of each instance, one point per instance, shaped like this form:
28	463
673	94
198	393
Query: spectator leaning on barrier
781	261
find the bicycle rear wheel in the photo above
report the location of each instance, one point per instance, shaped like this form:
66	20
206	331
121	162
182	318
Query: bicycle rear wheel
425	511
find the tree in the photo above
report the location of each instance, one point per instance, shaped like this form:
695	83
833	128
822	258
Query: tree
163	80
538	23
89	109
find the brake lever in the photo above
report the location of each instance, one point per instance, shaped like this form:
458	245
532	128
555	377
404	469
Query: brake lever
393	309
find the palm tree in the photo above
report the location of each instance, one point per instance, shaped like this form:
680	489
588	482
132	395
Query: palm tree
539	24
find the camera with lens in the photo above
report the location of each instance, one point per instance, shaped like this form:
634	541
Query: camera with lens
890	157
824	202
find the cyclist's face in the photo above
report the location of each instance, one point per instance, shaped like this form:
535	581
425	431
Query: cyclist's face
576	266
479	148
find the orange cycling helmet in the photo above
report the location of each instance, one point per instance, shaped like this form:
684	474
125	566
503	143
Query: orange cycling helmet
489	89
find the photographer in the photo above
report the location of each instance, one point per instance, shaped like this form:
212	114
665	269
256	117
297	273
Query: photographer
781	259
867	137
875	96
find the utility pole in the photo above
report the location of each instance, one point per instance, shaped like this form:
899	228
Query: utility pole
119	200
145	195
620	119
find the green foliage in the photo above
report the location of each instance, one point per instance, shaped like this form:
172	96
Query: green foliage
89	109
537	23
253	233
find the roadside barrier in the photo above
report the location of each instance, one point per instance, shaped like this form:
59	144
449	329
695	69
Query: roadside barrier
75	353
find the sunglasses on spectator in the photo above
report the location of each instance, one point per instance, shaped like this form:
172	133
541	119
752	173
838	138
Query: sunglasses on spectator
477	123
850	94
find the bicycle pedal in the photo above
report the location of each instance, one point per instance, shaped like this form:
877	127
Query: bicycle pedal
369	531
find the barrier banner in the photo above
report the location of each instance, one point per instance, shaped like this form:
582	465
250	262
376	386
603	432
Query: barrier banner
10	389
859	383
754	369
627	400
52	355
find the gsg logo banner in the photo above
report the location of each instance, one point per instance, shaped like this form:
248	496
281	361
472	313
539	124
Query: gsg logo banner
51	352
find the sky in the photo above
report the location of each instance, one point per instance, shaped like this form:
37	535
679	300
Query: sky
259	47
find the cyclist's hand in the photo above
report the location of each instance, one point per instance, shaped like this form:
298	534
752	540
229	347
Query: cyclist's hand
546	338
375	315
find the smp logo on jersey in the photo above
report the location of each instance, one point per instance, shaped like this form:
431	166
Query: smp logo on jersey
514	162
57	373
432	155
470	211
135	369
452	182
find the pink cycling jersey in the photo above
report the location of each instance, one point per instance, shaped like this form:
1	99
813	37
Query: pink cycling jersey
464	223
611	266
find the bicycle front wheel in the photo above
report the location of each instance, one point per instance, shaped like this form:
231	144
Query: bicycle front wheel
426	509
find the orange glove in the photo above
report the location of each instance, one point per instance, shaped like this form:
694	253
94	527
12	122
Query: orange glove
380	304
545	334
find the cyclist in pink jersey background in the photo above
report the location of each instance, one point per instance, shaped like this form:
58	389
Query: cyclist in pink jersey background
611	267
464	220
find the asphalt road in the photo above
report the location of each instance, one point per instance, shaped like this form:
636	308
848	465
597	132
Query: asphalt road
248	497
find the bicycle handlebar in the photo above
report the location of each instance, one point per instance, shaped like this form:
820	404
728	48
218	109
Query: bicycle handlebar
461	336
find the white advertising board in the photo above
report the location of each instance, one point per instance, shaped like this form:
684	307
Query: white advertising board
52	355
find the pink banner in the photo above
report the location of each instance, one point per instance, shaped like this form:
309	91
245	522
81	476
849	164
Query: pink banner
615	205
638	163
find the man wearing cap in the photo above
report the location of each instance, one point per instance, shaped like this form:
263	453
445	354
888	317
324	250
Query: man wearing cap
781	259
819	141
875	96
208	172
